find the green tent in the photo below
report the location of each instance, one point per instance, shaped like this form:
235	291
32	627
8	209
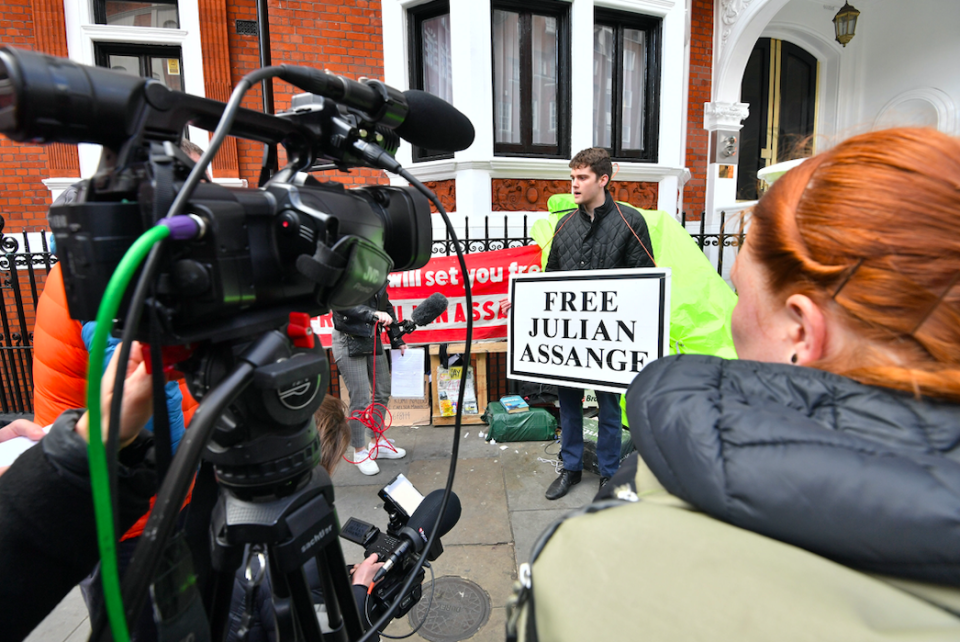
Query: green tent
700	301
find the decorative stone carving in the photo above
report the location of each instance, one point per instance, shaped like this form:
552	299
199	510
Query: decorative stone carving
446	192
724	115
730	12
640	195
524	195
530	195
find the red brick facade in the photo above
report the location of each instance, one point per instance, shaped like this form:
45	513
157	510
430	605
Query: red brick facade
701	66
342	37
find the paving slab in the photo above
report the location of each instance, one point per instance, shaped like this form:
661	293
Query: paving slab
526	478
491	567
528	525
69	621
436	442
479	485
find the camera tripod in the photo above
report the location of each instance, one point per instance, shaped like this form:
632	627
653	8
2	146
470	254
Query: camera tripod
273	495
293	530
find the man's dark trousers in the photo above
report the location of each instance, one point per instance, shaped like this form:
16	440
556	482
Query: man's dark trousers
571	434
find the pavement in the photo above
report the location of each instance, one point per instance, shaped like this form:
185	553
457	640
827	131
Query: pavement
501	489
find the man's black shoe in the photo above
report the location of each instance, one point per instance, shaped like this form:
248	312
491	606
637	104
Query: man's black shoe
561	485
603	482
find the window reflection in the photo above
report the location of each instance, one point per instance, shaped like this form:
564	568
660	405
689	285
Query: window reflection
162	15
506	76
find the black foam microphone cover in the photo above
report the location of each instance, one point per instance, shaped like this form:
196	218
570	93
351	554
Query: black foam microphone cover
434	123
422	520
431	307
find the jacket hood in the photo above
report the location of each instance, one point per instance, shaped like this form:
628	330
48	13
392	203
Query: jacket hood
865	476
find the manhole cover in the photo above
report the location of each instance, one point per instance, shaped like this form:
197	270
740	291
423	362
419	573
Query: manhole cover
460	607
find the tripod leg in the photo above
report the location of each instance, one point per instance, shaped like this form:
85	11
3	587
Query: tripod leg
334	616
221	585
334	577
293	605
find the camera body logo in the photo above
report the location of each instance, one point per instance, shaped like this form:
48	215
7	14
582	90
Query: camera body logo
316	538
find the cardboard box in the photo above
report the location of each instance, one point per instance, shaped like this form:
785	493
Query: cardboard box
404	411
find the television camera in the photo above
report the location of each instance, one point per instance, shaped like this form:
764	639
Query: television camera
226	294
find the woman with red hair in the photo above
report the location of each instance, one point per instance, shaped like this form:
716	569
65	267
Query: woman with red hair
818	477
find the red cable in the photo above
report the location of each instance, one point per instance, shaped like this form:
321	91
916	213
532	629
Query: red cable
375	416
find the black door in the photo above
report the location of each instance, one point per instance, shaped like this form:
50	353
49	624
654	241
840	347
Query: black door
780	84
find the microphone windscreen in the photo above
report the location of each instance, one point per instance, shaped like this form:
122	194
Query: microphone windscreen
434	123
432	307
426	514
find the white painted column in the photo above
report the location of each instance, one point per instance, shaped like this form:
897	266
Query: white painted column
470	22
395	67
581	75
673	84
719	116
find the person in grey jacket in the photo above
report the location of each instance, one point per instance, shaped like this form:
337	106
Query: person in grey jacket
600	234
358	351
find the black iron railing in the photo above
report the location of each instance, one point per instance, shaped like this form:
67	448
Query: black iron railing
722	239
23	271
25	260
489	243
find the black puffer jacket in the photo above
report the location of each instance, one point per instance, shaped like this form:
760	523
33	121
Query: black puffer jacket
605	242
359	322
862	475
48	537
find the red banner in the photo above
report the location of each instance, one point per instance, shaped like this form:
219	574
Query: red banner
489	274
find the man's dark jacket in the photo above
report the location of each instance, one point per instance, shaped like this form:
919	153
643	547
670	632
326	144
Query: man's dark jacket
606	242
359	322
866	476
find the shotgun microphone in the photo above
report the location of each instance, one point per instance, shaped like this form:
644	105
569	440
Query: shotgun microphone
431	308
418	117
415	534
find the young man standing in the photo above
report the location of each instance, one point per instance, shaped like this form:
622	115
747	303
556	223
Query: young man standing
600	235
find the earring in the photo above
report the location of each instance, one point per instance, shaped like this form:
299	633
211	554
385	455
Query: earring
793	358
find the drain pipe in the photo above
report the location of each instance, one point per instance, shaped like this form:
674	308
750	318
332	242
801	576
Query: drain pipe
270	163
685	101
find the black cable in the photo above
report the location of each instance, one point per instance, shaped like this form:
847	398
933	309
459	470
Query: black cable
134	311
388	614
170	497
133	319
163	440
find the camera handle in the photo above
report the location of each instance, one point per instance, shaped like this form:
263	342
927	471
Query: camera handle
293	529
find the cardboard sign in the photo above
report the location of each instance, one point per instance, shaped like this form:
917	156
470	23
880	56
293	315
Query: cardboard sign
588	329
489	274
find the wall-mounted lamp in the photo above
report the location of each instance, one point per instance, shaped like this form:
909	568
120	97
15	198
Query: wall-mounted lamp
845	23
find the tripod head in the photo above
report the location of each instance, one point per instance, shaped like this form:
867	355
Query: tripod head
265	444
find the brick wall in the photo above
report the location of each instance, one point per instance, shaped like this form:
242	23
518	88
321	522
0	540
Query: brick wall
345	38
701	66
23	197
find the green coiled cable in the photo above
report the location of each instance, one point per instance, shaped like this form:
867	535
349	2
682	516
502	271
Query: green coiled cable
99	478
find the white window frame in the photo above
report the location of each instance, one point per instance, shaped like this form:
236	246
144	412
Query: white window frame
472	64
83	33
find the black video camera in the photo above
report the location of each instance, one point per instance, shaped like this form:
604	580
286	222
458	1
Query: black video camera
411	515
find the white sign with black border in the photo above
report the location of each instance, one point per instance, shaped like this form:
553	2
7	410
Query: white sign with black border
588	329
